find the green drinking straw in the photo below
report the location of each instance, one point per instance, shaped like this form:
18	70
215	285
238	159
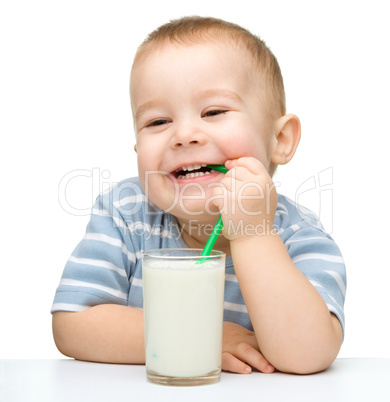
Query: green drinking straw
218	226
220	168
213	237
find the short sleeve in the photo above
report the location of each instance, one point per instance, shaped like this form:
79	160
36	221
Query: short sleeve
318	257
99	268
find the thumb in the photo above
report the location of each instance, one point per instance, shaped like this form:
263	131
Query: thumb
218	198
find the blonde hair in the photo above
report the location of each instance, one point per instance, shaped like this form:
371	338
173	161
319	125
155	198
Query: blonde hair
194	30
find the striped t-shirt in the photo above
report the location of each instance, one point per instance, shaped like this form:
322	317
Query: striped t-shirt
106	266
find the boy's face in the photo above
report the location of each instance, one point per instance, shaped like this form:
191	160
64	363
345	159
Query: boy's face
195	105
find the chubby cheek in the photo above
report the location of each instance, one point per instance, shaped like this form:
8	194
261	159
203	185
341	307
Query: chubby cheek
241	144
146	167
148	158
156	185
141	169
158	188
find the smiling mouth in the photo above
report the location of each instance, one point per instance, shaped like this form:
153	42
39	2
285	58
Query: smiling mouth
191	171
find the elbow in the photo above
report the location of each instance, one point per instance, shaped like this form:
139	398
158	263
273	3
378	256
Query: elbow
313	355
305	363
60	333
306	366
63	347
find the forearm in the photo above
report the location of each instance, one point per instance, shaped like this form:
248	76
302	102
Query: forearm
293	326
104	333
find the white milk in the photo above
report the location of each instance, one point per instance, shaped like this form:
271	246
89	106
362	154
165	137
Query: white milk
183	304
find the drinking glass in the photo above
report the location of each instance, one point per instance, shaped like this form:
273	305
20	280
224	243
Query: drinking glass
183	312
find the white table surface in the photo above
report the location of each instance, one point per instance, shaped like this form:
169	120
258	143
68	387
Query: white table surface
69	380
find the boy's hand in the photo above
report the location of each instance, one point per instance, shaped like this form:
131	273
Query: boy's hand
247	199
240	351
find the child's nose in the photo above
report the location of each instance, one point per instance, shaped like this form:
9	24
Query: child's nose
186	137
186	143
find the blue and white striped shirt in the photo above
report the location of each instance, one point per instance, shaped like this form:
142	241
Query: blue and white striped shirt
106	266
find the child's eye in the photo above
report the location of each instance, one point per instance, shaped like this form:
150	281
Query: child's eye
215	112
158	122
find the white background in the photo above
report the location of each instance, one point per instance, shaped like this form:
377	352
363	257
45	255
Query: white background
64	107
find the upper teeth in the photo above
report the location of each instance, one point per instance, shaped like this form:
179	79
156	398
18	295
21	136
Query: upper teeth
190	167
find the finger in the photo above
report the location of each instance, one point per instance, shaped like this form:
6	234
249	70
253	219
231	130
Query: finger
248	354
218	196
234	365
241	173
252	164
224	186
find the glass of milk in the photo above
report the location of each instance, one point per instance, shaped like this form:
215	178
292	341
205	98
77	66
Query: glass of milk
183	312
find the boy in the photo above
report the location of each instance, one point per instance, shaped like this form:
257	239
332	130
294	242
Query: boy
204	91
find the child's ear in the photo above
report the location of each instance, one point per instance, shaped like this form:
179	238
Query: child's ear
287	136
